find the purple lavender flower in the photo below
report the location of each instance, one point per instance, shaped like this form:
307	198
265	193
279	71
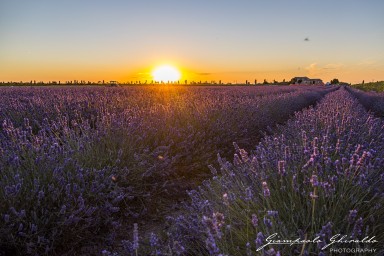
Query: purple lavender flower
266	191
327	188
357	228
127	246
360	162
178	248
272	213
314	180
13	210
255	164
259	239
213	170
135	245
18	187
304	138
270	252
63	209
281	168
244	155
33	228
40	196
236	160
9	190
225	199
337	146
218	219
68	190
211	246
352	216
310	162
22	214
80	202
21	227
249	195
214	224
315	151
287	152
154	240
106	253
325	234
326	230
255	220
295	183
249	251
267	222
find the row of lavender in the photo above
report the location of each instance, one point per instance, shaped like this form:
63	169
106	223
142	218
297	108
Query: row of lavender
320	176
84	161
37	103
373	101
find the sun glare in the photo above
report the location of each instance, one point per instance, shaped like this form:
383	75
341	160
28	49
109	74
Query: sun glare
166	73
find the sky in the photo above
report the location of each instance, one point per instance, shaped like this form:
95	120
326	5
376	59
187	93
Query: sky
207	40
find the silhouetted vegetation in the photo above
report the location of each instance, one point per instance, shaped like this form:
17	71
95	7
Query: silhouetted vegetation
335	81
373	86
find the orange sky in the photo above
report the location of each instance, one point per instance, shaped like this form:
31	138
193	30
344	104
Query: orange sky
208	41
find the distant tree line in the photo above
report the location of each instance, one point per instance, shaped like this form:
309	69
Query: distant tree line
138	82
152	82
377	86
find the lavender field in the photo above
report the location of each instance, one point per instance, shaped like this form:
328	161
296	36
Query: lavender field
188	170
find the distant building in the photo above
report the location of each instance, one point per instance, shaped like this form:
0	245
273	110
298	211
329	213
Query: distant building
113	83
306	81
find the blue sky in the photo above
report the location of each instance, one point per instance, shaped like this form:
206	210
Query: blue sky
207	40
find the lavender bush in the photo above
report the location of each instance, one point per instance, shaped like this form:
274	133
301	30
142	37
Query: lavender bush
373	101
320	175
49	202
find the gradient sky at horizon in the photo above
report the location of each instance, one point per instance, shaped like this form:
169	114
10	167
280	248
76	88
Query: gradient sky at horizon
208	40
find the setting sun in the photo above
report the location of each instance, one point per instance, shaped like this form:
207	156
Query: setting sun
166	73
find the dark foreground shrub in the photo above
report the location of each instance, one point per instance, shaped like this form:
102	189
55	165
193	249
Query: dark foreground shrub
49	203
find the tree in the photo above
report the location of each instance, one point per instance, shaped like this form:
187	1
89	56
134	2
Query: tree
335	81
265	81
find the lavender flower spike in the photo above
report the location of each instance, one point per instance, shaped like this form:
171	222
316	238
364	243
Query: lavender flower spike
314	180
266	191
135	236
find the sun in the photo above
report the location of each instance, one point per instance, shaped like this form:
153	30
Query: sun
166	73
